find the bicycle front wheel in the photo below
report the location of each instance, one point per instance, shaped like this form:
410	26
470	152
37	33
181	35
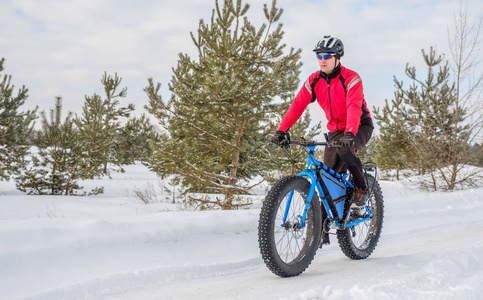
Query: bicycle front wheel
287	244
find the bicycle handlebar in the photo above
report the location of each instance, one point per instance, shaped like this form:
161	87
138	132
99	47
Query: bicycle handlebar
303	142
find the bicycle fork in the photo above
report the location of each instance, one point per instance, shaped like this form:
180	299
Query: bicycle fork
307	203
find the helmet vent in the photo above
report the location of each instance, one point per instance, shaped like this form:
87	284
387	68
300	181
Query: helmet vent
330	44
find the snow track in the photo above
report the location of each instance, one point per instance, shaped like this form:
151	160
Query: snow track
58	257
111	248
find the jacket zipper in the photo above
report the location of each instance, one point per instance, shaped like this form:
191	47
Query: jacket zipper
330	106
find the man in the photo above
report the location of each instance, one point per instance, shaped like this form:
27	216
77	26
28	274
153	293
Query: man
339	92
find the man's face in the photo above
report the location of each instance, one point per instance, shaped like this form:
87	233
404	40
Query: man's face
327	62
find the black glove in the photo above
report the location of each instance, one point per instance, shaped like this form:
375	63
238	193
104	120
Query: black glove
278	137
347	140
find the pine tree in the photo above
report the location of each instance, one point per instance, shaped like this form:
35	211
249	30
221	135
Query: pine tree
218	115
132	142
99	126
15	127
368	152
477	155
392	148
429	110
56	168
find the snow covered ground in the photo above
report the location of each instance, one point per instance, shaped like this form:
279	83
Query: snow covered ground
113	246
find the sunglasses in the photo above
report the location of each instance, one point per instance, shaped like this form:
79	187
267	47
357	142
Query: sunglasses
324	56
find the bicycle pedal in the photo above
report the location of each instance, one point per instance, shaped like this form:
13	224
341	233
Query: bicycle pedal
355	206
333	226
359	213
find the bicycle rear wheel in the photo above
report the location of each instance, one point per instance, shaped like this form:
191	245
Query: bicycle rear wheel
289	247
359	241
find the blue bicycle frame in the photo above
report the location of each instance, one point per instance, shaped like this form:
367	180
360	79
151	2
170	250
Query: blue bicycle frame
336	179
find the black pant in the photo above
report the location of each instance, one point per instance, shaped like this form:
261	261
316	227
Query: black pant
341	159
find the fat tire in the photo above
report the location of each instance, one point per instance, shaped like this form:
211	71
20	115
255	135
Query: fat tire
267	227
374	226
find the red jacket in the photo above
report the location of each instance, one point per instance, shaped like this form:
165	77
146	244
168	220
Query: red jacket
343	102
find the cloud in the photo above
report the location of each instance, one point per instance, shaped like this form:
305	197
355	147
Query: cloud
64	47
60	47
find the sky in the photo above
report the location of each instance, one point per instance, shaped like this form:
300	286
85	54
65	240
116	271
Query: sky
62	48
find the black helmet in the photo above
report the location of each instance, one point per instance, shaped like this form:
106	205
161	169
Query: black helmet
331	45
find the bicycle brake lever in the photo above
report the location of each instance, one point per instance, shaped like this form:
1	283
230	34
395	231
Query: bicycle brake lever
285	144
334	145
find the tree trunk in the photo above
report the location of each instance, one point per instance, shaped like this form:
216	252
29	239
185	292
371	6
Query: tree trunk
235	162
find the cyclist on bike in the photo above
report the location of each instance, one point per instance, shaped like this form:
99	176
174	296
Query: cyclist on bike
340	94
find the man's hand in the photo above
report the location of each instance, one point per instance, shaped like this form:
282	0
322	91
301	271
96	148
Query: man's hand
278	137
347	140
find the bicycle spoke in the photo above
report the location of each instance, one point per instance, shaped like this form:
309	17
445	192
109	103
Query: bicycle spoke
290	239
363	231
